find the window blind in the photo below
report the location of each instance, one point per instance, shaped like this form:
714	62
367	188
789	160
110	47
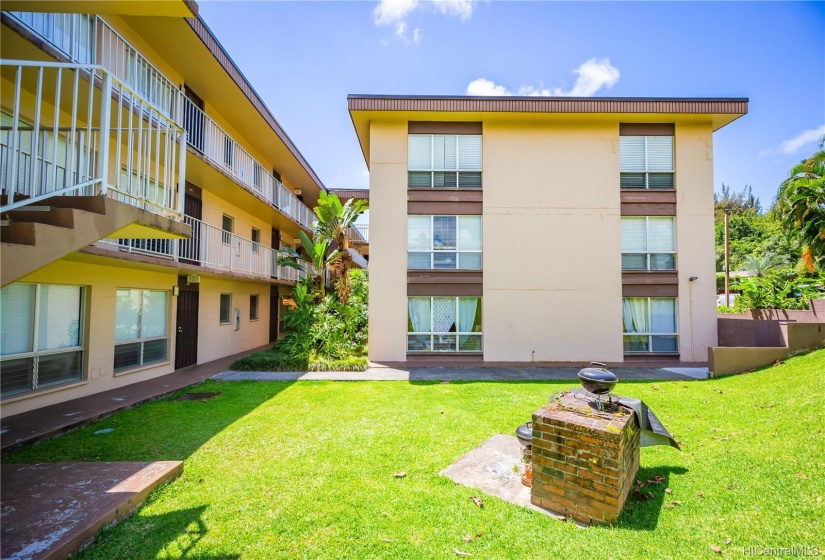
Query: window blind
153	317
17	319
632	153
59	317
127	315
660	234
420	151
659	153
634	237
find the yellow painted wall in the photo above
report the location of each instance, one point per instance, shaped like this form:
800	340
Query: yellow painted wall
552	248
214	208
388	251
102	283
216	340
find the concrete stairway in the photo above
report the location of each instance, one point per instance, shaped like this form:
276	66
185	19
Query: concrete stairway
34	236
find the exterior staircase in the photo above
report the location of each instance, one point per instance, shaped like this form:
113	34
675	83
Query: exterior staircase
35	235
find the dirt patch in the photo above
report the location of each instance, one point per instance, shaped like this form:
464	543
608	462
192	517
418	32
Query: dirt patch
196	397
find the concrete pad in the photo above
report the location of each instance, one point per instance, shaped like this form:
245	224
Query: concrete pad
695	373
50	510
450	374
495	468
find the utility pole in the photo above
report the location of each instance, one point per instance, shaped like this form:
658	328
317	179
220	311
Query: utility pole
727	258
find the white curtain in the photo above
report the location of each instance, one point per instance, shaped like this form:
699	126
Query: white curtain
127	315
634	313
419	309
663	312
444	314
466	313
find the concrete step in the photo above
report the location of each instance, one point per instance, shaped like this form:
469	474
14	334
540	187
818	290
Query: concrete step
61	217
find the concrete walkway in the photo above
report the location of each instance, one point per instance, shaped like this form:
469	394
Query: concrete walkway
49	421
50	510
464	374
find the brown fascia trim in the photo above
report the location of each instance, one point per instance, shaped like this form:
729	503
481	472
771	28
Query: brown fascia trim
650	291
516	104
440	127
211	42
644	129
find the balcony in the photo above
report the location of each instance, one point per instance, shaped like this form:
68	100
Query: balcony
89	134
358	259
359	234
210	140
90	40
214	249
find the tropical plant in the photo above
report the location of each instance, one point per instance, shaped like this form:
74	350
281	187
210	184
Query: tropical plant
316	251
782	290
760	266
334	222
800	204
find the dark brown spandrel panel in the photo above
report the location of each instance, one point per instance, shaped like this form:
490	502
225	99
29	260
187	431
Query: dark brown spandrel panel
644	277
446	208
445	277
448	290
654	290
444	195
646	129
652	209
443	127
647	196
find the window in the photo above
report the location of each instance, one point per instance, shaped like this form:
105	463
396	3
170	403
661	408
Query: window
228	226
226	308
41	336
646	162
253	307
256	240
444	242
444	161
140	328
648	243
228	151
444	324
650	325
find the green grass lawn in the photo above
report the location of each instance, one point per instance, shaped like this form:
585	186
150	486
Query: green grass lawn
305	470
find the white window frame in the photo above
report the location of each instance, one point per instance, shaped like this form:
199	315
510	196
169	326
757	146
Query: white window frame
256	245
433	170
433	251
143	340
650	334
226	236
36	354
647	253
646	171
433	334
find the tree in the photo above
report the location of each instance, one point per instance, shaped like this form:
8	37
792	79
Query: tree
744	202
760	266
800	205
319	257
334	222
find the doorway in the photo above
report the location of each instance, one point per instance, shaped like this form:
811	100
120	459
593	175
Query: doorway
186	335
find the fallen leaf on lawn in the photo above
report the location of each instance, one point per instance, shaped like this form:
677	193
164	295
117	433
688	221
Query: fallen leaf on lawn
676	502
471	538
731	486
728	541
668	491
401	474
385	540
658	479
801	475
654	387
444	382
459	553
700	495
478	501
716	549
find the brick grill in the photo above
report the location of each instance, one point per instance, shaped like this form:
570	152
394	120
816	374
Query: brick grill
584	461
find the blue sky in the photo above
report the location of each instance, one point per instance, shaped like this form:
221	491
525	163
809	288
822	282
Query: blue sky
303	58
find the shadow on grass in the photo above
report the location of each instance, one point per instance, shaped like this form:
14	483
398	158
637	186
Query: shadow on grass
172	534
161	430
642	508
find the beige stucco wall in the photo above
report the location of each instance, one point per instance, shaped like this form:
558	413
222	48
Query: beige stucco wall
552	253
388	243
216	340
102	283
693	164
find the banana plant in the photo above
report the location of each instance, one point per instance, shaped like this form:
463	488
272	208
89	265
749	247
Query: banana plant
318	256
334	222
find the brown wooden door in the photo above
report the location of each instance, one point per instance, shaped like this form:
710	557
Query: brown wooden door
186	337
274	304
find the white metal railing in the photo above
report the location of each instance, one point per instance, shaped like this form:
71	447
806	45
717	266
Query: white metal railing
212	247
360	233
358	258
90	39
207	137
84	140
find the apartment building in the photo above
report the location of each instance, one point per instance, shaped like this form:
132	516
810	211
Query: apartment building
541	229
146	193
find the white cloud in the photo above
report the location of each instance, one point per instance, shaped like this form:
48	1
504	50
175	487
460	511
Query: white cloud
593	75
796	143
395	12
